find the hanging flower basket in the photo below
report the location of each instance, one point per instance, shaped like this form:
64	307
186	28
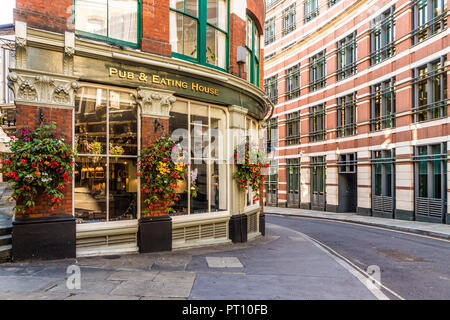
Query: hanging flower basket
39	168
161	166
250	162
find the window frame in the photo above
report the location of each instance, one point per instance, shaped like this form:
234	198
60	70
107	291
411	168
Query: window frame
427	78
293	82
349	128
255	55
292	124
317	118
271	88
311	10
269	31
378	123
385	49
289	19
423	30
318	66
106	38
272	134
202	25
347	47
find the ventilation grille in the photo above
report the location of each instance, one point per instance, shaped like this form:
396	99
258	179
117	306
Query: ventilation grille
252	223
383	204
210	231
100	239
430	207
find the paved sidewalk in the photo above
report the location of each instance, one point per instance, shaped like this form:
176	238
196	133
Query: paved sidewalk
5	220
282	265
424	228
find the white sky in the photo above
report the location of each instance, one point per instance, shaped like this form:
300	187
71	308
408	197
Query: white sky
6	11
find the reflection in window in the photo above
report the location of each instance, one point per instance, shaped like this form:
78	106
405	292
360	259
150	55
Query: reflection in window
106	141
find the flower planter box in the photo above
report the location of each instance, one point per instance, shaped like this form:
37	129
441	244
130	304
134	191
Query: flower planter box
155	234
44	238
238	228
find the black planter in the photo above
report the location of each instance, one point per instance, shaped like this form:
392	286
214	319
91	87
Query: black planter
46	238
238	228
155	234
262	224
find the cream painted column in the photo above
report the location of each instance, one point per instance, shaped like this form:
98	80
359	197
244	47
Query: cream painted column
404	183
155	103
331	182
236	137
305	182
364	177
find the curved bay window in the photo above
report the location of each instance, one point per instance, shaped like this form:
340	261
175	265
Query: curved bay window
116	21
200	129
106	185
199	31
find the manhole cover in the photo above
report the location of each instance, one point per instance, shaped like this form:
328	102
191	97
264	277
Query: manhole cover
400	256
111	257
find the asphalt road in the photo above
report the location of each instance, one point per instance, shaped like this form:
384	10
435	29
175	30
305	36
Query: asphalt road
412	266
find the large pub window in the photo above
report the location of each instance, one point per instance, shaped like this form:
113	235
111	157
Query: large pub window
116	21
106	186
383	181
199	31
430	91
430	176
200	129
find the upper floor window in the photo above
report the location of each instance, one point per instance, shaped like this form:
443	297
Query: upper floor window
429	18
199	31
317	130
293	128
252	43
271	87
332	2
317	77
311	10
293	82
346	115
116	21
269	31
382	37
382	105
430	91
272	134
346	53
289	16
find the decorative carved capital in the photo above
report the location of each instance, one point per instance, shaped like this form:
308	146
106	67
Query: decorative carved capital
42	89
155	102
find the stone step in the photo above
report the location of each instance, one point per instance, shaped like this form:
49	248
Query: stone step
5	240
5	253
5	231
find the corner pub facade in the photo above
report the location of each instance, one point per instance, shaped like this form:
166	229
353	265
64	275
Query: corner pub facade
114	73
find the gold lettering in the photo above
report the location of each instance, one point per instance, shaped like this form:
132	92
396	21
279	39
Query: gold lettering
194	86
130	75
155	79
112	71
122	74
163	82
184	85
178	84
142	77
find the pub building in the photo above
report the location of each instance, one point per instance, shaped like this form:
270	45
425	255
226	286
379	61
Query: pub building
112	74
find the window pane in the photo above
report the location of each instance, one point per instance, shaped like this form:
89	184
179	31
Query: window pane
123	187
122	124
90	189
90	121
191	7
183	34
123	20
199	204
218	187
91	16
215	47
218	13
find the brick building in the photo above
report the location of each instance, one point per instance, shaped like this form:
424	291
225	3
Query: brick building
112	74
361	117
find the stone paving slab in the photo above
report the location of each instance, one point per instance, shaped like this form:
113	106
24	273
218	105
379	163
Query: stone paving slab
25	283
133	275
12	295
95	296
154	289
87	287
224	262
425	228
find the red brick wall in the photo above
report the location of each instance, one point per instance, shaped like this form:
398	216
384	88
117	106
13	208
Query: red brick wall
155	27
47	15
237	38
28	117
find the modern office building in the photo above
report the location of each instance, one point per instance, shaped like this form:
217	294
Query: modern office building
114	73
361	117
